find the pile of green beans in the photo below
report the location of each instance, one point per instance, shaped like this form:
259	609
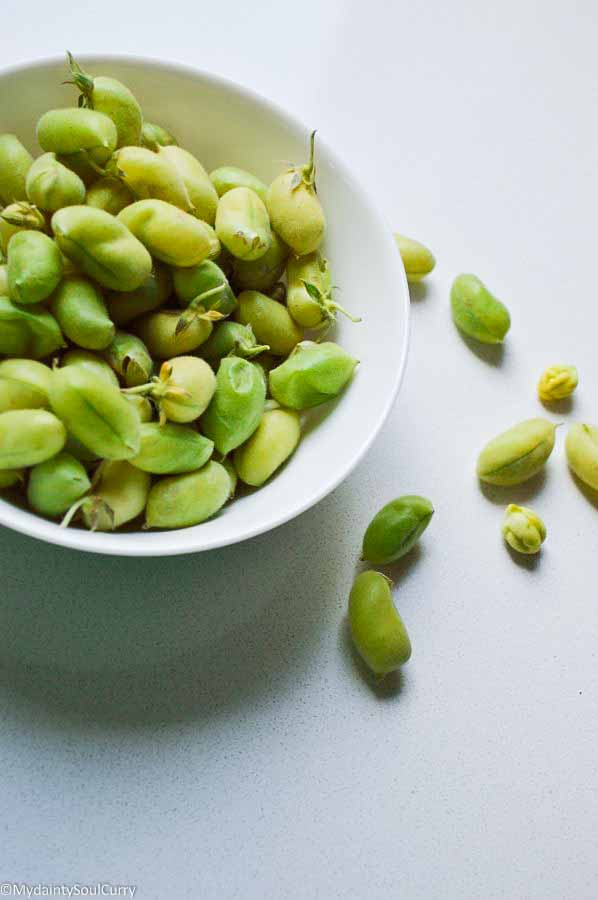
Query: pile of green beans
152	319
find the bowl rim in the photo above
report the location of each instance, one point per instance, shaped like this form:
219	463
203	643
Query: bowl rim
78	539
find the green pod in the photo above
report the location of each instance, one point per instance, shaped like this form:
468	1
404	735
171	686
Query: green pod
395	529
518	453
34	267
130	359
376	627
3	280
201	191
81	165
313	374
294	209
120	493
581	447
79	309
141	405
271	322
109	194
50	185
15	162
181	501
309	292
11	478
242	224
158	330
226	178
237	404
417	259
57	483
92	363
232	338
476	312
123	307
151	176
95	412
74	130
114	99
102	247
193	283
154	136
29	332
170	234
270	445
263	273
171	449
20	216
24	384
28	437
184	389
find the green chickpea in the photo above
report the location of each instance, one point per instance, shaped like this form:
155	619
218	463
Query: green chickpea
28	332
270	445
95	412
181	501
271	322
50	185
113	98
171	449
377	629
309	293
130	359
92	363
11	478
158	330
202	192
120	493
151	176
313	374
102	247
395	529
15	161
232	339
237	405
109	194
581	447
28	437
242	224
417	259
263	273
24	384
295	211
79	309
226	178
195	284
154	136
151	295
477	312
17	217
57	483
183	390
71	131
34	267
517	454
170	234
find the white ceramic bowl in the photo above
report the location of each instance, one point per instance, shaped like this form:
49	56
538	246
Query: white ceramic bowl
223	123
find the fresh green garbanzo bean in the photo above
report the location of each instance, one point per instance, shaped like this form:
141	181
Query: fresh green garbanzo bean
34	267
170	234
309	292
150	176
557	383
120	493
242	224
57	483
28	331
71	131
50	185
184	500
183	390
295	210
232	338
270	445
517	454
159	332
206	286
226	178
130	358
476	312
201	191
376	627
90	361
111	97
395	529
237	405
313	374
24	384
271	322
581	447
522	529
15	162
171	449
28	437
79	309
417	259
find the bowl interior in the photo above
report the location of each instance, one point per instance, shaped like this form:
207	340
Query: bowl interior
225	124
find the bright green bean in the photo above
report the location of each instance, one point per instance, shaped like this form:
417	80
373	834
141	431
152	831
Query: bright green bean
15	162
396	528
294	208
201	191
170	234
270	445
271	322
57	483
377	629
226	178
313	374
79	309
28	437
237	404
109	194
242	224
28	332
158	330
50	185
34	267
75	130
114	99
130	358
181	501
171	449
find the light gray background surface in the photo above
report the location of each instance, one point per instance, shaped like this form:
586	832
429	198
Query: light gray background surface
211	735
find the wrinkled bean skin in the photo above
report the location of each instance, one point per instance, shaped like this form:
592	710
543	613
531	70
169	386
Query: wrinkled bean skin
95	412
154	136
518	453
242	224
28	437
395	529
50	185
581	447
270	445
232	338
109	194
151	295
226	178
15	162
237	404
170	234
130	359
34	267
192	282
313	374
197	382
11	477
263	273
294	209
119	496
57	483
201	191
78	307
181	501
24	379
114	99
158	331
171	449
72	130
102	247
28	332
271	322
376	627
90	361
